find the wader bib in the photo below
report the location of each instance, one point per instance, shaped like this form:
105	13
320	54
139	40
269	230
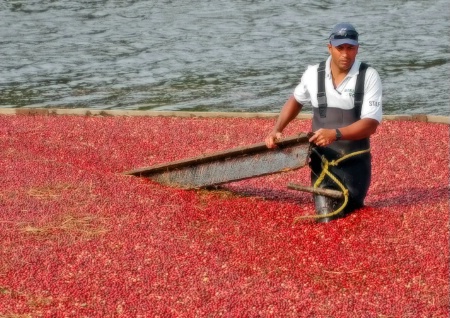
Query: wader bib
353	172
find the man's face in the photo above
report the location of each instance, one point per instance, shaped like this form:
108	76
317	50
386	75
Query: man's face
343	56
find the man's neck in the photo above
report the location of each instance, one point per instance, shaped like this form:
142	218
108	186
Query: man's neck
338	74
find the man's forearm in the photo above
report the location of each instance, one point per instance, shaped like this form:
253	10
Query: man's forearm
361	129
289	111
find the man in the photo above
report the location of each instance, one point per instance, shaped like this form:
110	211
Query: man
341	124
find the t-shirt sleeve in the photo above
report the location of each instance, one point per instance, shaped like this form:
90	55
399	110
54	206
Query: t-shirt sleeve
372	104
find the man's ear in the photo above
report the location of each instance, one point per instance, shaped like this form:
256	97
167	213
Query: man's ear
329	47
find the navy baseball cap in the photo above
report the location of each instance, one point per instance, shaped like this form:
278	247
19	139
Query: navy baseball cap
343	33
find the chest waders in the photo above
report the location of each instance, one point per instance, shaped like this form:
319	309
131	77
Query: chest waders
344	165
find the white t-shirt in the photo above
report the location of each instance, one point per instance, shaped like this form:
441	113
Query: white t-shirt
343	96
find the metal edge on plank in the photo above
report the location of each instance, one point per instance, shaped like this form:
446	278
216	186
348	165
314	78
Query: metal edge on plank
219	155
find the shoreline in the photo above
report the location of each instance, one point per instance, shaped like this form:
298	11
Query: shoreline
150	113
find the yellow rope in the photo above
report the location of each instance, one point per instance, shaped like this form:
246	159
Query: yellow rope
356	153
326	172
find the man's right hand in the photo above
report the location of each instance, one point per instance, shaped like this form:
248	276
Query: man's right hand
272	138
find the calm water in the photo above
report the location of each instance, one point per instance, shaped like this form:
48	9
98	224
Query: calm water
212	55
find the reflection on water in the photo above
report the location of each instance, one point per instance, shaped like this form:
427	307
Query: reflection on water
212	55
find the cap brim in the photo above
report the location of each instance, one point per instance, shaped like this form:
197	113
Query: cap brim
343	41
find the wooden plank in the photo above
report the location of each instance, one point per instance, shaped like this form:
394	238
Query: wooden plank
321	191
230	165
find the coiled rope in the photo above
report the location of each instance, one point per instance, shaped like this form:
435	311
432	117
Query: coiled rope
325	172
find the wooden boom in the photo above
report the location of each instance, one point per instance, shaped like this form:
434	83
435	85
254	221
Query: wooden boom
231	165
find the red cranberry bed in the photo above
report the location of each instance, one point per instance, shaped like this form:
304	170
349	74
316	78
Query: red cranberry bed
81	239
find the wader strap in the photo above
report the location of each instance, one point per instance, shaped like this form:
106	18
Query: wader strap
321	95
359	89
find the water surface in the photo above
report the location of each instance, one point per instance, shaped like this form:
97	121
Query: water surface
212	55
